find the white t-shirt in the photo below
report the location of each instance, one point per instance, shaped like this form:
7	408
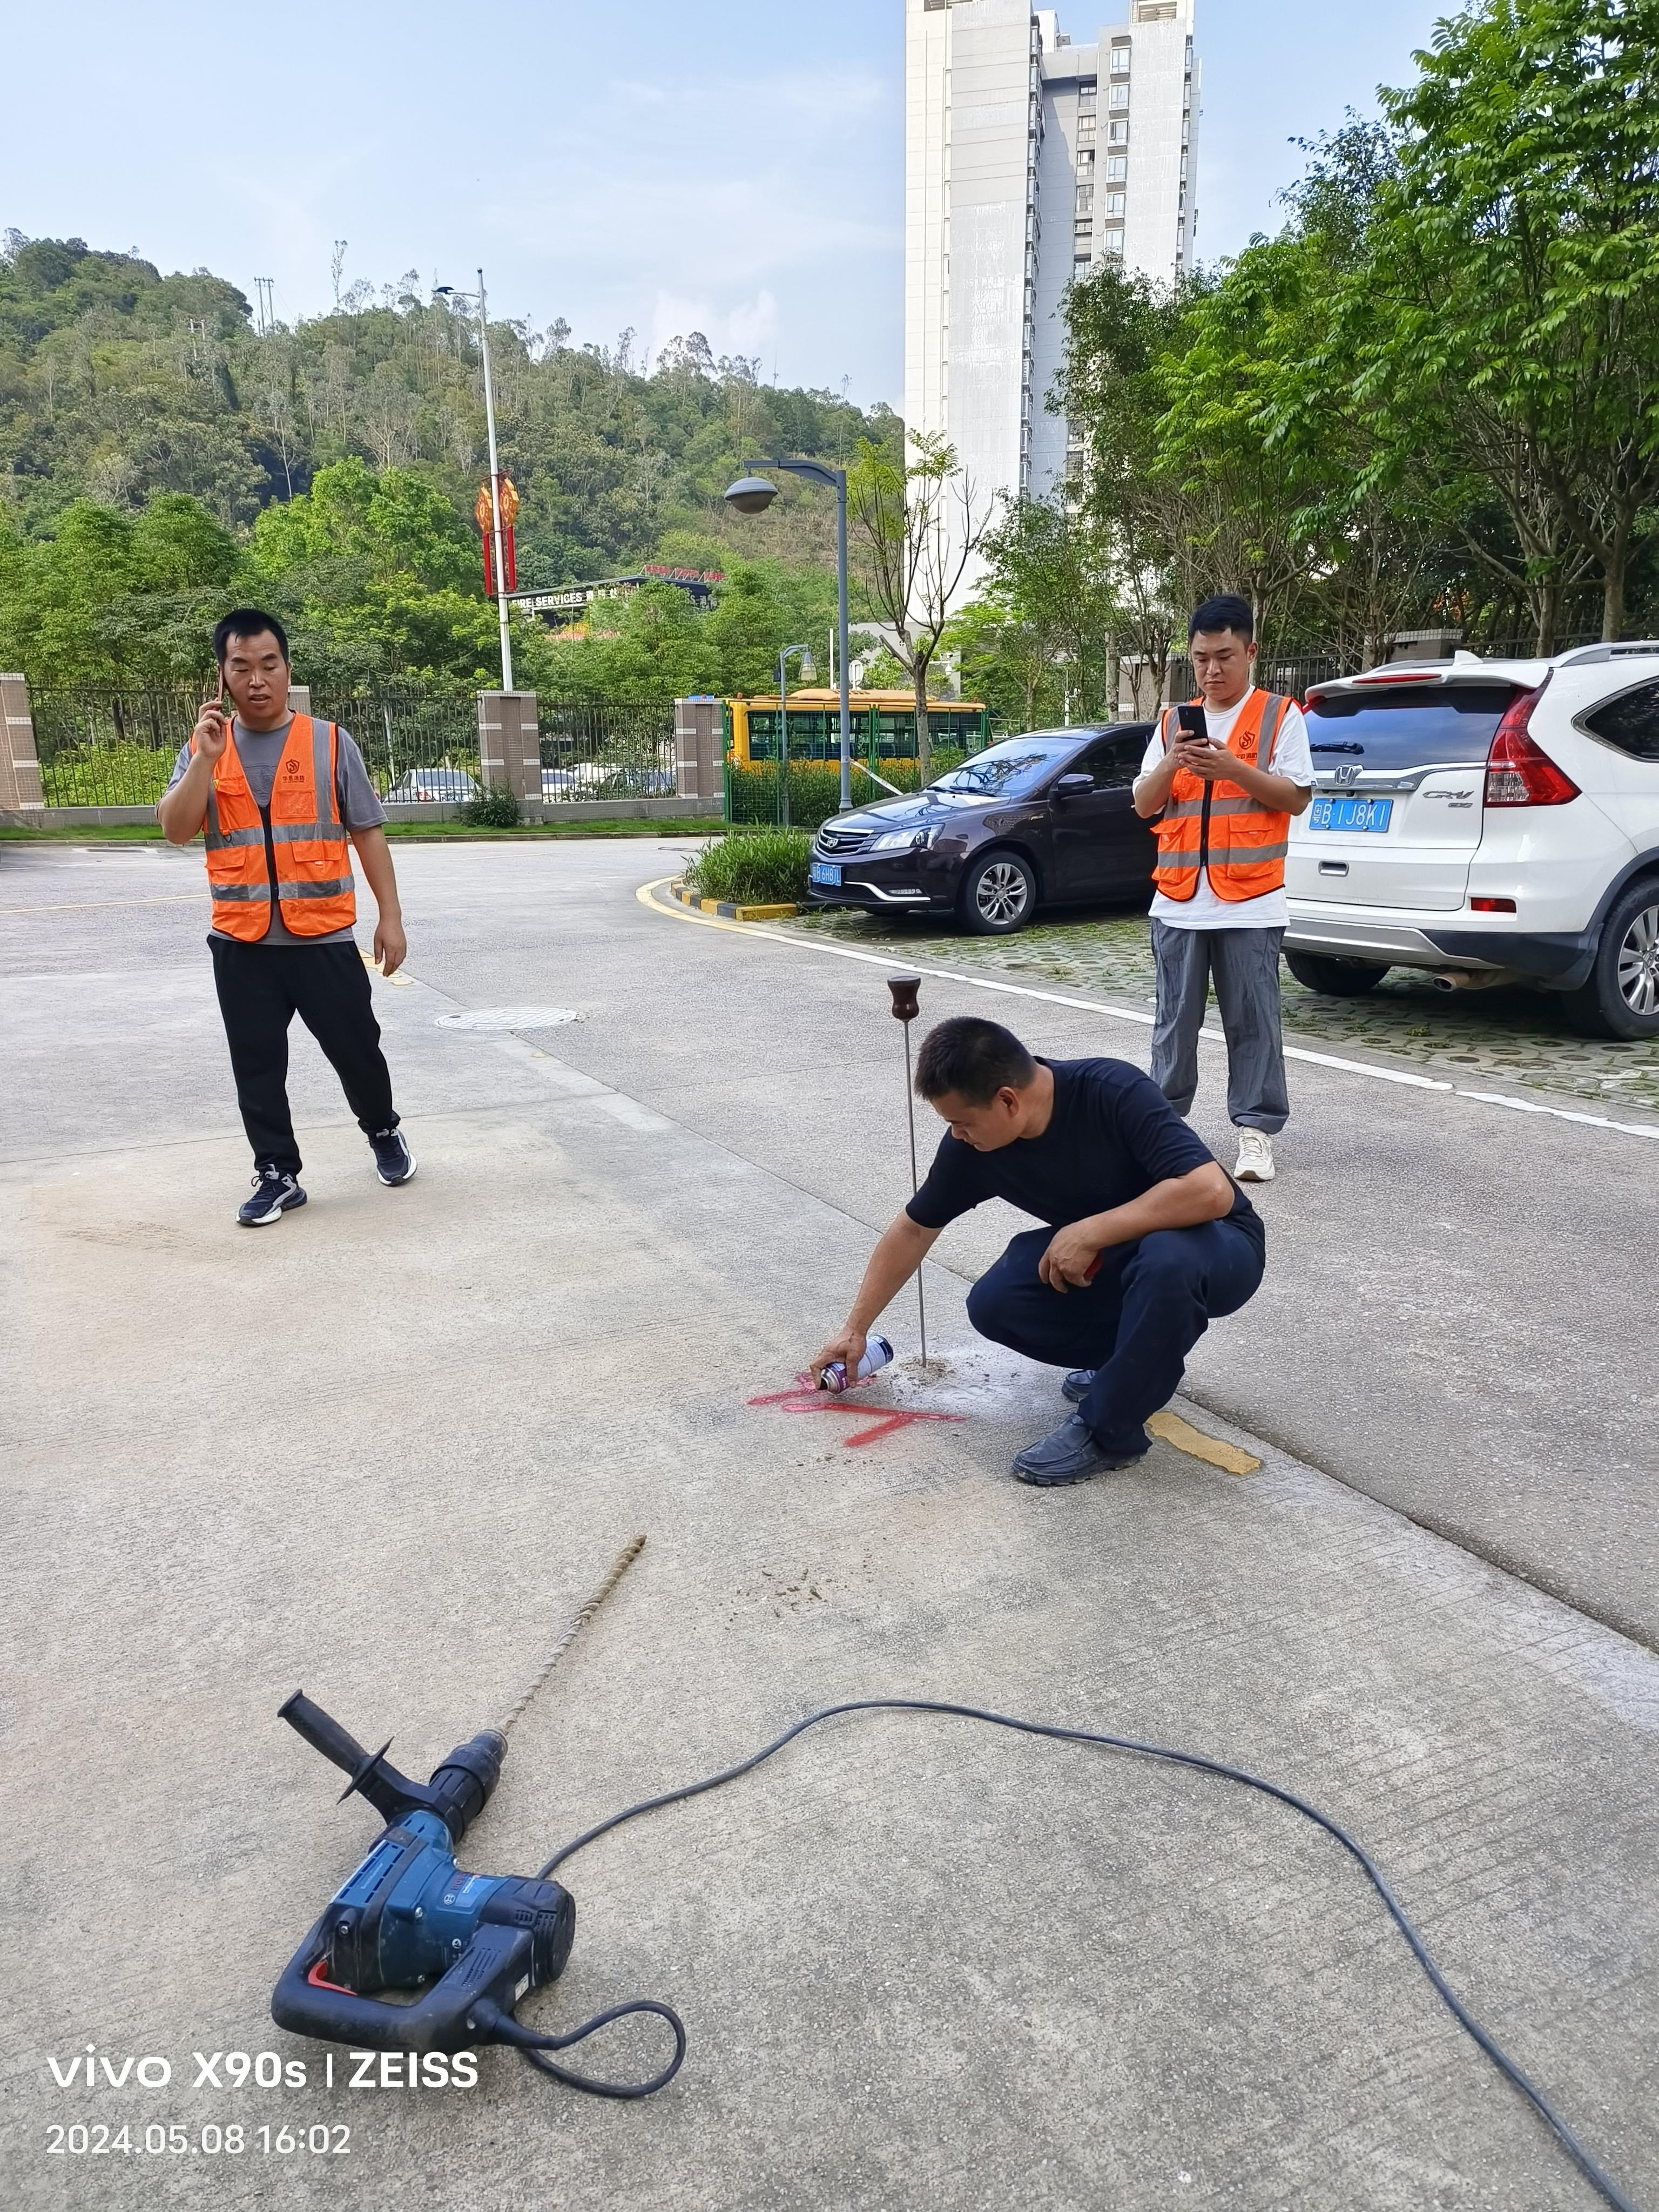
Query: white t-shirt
1204	910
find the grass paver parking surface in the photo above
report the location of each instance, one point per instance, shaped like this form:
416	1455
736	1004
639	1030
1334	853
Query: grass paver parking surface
1515	1036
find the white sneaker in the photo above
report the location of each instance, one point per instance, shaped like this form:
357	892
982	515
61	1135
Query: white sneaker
1256	1157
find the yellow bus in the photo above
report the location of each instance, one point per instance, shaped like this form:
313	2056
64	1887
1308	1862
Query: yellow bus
883	726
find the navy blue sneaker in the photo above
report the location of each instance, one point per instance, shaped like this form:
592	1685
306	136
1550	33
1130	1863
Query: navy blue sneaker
274	1195
1071	1454
1075	1388
394	1161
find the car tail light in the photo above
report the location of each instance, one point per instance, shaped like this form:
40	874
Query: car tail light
1491	906
1518	772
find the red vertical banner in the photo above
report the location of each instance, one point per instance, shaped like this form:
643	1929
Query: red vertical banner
484	513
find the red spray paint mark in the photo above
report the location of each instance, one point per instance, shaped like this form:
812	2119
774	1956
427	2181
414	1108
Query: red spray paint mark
813	1400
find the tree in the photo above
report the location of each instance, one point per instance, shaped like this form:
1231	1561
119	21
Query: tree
1313	537
919	525
1122	332
1508	313
1051	584
115	599
117	383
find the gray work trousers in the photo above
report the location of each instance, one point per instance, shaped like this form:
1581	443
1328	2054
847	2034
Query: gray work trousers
1244	964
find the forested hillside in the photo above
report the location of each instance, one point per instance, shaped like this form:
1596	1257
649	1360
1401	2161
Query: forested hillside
158	453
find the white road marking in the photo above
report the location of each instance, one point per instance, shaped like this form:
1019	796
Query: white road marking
677	913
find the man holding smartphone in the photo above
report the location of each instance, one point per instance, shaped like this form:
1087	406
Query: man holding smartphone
1225	772
276	796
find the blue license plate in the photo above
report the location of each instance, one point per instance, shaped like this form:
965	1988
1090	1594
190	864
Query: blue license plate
1351	814
825	871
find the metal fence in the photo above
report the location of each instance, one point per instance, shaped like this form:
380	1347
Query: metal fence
420	742
109	747
617	750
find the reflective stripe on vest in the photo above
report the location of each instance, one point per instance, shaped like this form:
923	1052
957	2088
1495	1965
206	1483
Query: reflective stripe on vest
1240	845
314	886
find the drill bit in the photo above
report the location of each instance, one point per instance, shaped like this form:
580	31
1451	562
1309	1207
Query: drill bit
583	1614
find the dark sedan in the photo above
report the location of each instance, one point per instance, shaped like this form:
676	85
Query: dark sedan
1044	819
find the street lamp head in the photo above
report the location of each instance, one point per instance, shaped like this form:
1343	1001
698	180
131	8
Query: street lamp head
752	495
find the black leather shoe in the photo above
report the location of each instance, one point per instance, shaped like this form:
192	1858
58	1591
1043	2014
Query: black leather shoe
1070	1455
1075	1388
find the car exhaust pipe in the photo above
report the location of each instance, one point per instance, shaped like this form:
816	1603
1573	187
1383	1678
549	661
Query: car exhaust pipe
1473	979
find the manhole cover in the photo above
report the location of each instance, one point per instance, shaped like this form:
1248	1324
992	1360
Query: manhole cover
508	1017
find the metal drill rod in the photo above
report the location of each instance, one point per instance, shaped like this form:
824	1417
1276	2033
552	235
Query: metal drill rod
905	991
910	1111
579	1619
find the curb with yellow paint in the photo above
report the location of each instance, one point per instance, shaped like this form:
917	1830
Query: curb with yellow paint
725	908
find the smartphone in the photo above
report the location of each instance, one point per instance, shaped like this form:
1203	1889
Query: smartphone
1189	716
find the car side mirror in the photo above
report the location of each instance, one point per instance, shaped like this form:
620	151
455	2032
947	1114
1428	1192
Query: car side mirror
1073	786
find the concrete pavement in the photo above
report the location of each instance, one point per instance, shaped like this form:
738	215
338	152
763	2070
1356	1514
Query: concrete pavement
382	1449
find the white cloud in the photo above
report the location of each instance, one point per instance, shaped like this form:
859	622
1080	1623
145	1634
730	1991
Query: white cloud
749	328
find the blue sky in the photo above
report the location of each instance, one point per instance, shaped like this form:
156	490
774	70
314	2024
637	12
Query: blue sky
731	166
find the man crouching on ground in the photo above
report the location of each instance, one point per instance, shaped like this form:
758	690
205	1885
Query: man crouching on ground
1148	1238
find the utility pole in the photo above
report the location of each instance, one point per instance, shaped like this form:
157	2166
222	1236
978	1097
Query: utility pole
265	287
495	492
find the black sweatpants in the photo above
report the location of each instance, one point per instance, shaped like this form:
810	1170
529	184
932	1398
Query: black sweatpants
1133	1324
261	989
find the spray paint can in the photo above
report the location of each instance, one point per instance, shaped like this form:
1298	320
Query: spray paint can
877	1353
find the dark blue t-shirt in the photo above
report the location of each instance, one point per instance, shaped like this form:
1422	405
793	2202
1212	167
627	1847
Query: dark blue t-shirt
1112	1135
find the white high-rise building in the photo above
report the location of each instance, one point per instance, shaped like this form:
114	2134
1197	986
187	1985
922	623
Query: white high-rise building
1028	160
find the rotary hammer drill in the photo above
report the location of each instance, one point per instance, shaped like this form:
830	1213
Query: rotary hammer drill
409	1919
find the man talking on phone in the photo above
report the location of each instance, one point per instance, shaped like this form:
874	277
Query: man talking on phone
276	796
1225	772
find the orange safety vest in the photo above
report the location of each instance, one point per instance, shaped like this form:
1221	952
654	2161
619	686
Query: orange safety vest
1218	828
314	886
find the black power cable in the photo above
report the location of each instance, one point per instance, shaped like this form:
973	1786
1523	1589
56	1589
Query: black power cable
1581	2158
490	2019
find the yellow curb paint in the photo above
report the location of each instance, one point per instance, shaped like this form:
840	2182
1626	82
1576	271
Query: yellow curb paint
398	981
684	898
1193	1442
683	910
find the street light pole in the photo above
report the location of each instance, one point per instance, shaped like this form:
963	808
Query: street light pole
841	641
495	492
447	291
753	495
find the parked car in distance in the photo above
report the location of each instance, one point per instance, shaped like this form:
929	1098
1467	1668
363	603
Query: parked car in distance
453	785
598	780
1042	819
1492	822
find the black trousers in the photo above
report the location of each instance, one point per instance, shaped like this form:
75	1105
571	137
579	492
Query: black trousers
261	989
1133	1324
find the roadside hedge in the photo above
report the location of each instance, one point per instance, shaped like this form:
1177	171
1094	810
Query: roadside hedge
815	789
751	867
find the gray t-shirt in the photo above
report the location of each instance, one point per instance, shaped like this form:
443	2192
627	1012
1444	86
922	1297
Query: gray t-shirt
259	751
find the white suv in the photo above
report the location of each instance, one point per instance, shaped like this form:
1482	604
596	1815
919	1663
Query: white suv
1495	821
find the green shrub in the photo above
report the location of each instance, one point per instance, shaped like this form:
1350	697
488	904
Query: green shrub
752	867
119	775
491	810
